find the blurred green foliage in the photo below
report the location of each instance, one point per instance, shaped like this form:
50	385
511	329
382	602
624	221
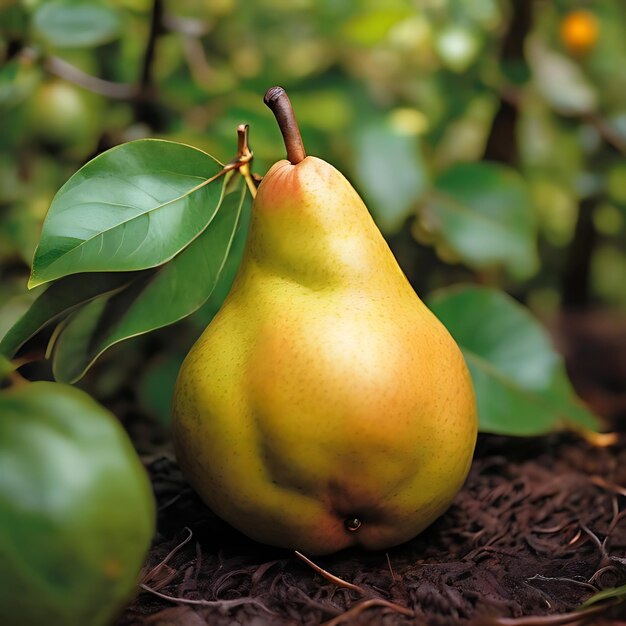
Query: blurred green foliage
487	139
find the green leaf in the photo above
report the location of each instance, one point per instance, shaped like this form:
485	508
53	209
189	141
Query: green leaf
520	380
9	86
6	367
482	211
615	593
561	81
203	316
18	82
60	298
153	300
156	386
390	171
369	27
133	207
69	24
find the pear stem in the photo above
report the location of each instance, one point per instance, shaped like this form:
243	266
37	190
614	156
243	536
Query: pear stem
277	100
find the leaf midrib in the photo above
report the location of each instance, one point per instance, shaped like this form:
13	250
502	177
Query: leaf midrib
121	224
459	207
102	348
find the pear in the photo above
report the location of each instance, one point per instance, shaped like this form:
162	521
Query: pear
324	406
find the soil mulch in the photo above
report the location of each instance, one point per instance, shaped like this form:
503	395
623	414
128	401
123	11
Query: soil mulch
537	529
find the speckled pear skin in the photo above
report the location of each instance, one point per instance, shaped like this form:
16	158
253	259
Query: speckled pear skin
324	389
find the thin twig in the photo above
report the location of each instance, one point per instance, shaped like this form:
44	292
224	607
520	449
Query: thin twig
328	576
575	538
150	575
393	576
201	71
617	516
171	501
562	579
223	604
367	604
552	529
62	69
605	484
594	538
512	95
359	606
602	571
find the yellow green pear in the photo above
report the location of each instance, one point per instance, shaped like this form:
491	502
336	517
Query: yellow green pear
324	406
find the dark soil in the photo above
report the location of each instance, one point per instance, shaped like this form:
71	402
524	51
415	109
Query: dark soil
538	529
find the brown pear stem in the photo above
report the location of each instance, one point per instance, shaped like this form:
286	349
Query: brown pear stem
277	100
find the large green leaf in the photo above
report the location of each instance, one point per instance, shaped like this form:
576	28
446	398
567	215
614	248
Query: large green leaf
133	207
154	299
520	381
482	211
60	298
203	316
155	388
390	171
71	24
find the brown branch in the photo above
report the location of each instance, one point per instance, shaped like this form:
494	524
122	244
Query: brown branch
512	95
62	69
502	144
147	65
576	276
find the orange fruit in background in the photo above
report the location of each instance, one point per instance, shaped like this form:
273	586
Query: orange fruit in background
579	31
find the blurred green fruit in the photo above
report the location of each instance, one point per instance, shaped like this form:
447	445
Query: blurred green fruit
76	509
64	118
457	47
